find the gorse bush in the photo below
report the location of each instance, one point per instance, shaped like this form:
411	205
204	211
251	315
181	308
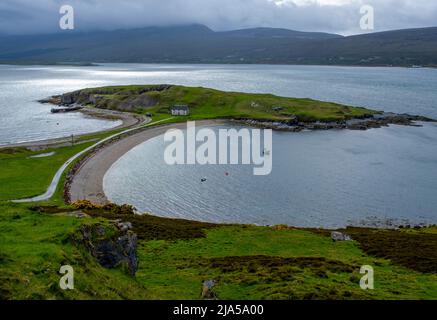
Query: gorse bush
110	207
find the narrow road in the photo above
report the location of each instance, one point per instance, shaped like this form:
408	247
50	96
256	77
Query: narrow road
54	184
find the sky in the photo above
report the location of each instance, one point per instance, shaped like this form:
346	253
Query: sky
335	16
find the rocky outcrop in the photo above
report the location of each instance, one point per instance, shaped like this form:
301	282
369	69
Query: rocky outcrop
364	123
52	100
67	99
128	100
338	236
113	246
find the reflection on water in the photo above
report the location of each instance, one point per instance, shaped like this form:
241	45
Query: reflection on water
390	89
327	179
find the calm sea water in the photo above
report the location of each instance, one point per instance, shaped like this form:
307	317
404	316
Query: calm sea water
23	119
319	179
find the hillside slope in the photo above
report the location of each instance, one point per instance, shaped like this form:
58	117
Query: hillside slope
199	44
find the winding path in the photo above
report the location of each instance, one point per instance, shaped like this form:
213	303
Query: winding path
55	181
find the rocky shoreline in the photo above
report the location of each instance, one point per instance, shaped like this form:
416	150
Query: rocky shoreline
379	120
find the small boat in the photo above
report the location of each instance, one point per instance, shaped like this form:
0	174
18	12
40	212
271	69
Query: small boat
203	180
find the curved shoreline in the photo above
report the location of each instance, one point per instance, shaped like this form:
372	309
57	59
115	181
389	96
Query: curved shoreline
86	182
128	120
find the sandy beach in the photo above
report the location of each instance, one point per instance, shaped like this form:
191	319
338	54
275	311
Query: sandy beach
87	181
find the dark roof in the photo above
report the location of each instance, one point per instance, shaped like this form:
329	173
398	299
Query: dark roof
180	107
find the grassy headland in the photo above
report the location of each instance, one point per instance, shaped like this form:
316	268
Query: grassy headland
207	103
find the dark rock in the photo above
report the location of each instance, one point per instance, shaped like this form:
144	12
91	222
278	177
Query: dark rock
68	98
338	236
112	248
294	120
126	101
44	101
66	109
124	226
52	100
365	122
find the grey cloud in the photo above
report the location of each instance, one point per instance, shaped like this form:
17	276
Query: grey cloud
27	16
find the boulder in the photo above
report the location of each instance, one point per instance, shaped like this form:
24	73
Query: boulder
338	236
112	247
124	226
68	98
294	120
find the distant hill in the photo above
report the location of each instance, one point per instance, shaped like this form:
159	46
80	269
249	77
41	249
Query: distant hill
199	44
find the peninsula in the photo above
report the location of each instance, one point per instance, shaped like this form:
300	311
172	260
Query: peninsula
207	106
265	110
148	257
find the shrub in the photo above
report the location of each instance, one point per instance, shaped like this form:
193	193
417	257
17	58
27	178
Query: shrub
109	208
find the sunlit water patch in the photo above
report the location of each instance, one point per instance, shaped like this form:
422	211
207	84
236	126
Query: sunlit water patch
23	119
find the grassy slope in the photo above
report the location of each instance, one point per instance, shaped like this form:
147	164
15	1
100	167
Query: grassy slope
22	176
174	262
184	264
209	103
197	44
34	245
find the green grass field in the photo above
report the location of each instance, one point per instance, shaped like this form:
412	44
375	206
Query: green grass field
247	262
230	255
22	176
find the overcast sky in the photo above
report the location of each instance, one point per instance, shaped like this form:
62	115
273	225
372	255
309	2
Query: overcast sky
339	16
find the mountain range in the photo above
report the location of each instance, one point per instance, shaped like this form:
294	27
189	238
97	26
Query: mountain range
199	44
